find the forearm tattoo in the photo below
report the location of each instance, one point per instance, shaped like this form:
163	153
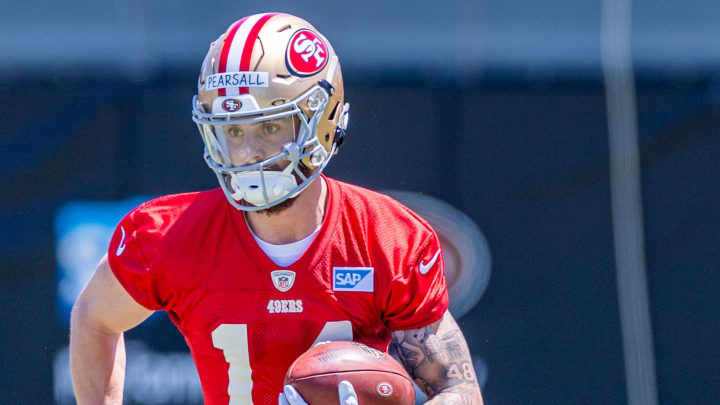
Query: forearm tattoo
438	359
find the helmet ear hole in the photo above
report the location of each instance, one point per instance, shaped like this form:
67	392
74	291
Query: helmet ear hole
331	117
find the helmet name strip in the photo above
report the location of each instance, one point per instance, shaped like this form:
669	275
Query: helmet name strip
236	79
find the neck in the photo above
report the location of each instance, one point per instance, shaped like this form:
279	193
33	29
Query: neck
295	222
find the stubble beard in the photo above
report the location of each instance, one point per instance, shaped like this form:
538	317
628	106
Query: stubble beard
279	208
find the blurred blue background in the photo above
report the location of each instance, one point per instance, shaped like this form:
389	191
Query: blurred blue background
496	107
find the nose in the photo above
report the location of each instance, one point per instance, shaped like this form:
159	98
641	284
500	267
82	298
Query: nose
250	152
255	157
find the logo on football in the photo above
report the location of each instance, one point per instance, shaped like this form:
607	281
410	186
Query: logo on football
306	53
384	389
231	105
370	352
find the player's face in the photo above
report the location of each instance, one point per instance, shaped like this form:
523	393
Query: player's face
254	142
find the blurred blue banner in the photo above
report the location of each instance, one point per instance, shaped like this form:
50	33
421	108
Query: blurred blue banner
82	233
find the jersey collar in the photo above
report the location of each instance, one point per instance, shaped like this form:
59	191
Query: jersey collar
315	251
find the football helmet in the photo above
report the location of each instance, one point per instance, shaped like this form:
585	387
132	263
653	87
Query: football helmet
270	68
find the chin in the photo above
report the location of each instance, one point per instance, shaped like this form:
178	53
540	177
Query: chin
277	209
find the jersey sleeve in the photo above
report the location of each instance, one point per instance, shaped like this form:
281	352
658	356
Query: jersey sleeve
417	295
134	244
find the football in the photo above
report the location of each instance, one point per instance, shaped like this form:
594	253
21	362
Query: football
378	379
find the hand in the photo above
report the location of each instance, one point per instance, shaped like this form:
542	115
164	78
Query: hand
346	394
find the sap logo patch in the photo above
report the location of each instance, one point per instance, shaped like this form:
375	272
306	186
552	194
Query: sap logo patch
356	279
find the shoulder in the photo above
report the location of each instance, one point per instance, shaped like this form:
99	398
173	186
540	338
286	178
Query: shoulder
394	236
405	253
164	212
174	204
164	227
379	210
156	223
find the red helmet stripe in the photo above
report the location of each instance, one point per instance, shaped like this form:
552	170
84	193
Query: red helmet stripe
250	44
226	50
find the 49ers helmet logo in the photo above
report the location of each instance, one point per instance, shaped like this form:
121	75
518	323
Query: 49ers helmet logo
231	105
307	53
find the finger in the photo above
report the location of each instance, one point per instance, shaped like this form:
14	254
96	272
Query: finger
347	394
292	396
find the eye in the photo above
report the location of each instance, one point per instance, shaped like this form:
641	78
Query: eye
234	132
269	128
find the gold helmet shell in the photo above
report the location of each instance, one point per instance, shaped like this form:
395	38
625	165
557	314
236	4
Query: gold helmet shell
269	65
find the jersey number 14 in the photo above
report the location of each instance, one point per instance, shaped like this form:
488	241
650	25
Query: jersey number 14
232	339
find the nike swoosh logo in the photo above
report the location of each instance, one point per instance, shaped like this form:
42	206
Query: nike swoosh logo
121	247
424	268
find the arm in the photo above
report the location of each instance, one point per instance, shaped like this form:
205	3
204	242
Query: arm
438	359
102	312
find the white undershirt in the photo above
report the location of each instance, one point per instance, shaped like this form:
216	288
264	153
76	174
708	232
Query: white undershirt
285	255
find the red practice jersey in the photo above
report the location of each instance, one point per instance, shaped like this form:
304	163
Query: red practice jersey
374	267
